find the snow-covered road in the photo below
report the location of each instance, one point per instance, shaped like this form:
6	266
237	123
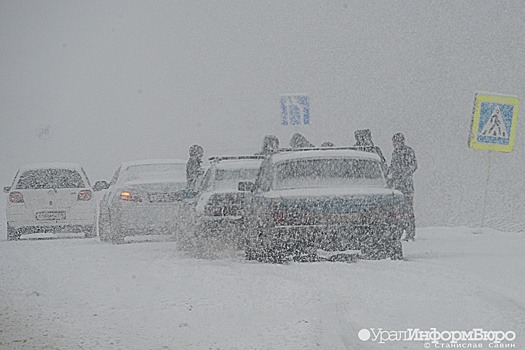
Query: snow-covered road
84	294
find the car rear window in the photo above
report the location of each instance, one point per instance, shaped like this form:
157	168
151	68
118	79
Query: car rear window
50	178
300	173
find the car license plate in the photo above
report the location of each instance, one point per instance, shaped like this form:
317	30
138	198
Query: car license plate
51	215
162	197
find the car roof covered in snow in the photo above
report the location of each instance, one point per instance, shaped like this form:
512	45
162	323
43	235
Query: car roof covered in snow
53	165
331	152
237	162
152	161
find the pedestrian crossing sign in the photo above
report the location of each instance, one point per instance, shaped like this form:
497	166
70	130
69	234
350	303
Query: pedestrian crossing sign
295	109
494	122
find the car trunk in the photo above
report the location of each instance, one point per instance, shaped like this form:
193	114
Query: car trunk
61	198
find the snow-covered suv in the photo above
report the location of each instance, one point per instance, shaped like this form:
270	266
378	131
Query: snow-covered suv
50	197
330	199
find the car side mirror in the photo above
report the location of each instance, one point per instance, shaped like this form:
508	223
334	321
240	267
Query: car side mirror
7	189
246	186
100	185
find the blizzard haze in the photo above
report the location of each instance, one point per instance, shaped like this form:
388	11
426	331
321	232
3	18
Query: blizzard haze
101	83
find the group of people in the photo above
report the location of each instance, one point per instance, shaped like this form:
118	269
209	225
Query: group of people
402	166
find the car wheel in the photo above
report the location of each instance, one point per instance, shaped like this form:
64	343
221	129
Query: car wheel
12	234
116	235
102	225
91	232
396	250
268	249
374	251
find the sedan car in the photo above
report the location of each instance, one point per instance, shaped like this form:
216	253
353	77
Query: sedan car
50	197
219	208
143	197
326	199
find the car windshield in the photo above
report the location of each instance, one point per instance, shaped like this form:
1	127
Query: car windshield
332	172
229	178
157	171
49	178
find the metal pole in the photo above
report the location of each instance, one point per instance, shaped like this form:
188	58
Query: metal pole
486	194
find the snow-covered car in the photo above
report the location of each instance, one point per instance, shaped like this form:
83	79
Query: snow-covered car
143	197
50	197
326	199
220	204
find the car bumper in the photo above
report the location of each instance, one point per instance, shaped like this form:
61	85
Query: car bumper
328	237
32	220
138	220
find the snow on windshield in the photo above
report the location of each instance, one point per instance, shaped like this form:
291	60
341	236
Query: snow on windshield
229	178
328	172
49	178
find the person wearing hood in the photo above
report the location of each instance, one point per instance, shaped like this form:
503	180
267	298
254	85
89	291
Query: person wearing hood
402	167
270	145
363	139
193	166
299	141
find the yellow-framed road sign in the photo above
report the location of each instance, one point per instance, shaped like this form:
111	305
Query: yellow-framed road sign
494	122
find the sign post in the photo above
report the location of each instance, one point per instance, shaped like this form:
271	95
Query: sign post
493	128
295	109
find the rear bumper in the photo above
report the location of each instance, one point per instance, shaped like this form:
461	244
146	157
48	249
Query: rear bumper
139	220
25	230
329	237
26	219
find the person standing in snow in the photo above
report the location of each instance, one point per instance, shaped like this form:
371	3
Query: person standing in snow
270	145
363	139
402	167
299	141
193	166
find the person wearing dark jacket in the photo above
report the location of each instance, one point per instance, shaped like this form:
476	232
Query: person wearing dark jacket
299	141
402	167
270	145
193	166
363	138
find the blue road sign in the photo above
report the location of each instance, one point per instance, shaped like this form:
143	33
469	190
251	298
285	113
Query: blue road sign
295	110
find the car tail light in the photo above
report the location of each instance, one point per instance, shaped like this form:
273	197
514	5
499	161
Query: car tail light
84	195
129	196
16	197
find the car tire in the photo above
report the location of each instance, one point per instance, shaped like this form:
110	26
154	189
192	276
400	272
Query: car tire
102	225
267	249
12	234
91	232
396	250
116	235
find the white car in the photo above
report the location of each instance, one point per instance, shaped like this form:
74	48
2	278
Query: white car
50	197
144	197
220	204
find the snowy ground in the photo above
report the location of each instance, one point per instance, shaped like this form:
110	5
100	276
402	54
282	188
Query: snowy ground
84	294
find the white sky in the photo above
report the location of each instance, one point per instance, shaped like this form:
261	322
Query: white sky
128	80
